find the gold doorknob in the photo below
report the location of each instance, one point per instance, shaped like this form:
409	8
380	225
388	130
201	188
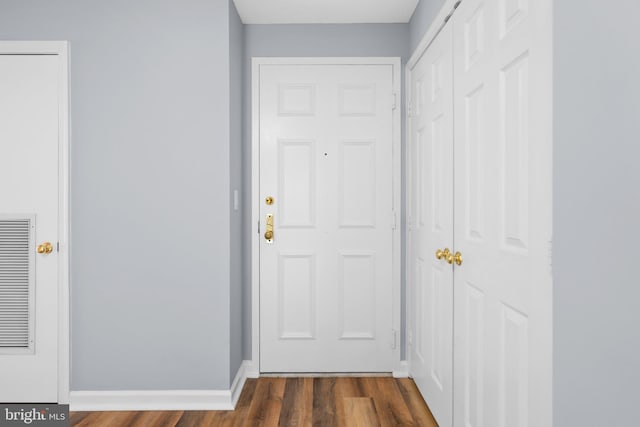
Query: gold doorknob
268	235
442	254
457	258
45	248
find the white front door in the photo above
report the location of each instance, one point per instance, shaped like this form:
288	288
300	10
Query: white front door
29	138
326	185
430	227
502	101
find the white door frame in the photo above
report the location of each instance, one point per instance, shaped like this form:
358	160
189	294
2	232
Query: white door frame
440	20
60	48
255	192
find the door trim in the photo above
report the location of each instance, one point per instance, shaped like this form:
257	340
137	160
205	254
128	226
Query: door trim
60	48
256	62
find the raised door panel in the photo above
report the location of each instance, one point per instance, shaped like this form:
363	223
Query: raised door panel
357	184
357	303
472	406
437	330
357	99
296	100
513	377
297	296
514	117
474	146
297	184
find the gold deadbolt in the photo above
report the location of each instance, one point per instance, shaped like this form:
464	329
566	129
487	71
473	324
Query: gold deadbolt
269	200
45	248
268	234
443	254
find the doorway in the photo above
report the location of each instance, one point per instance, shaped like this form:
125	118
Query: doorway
326	203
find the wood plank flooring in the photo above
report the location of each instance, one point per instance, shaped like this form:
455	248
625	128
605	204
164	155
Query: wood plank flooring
293	402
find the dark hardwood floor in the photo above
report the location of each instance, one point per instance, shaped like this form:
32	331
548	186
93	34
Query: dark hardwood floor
334	401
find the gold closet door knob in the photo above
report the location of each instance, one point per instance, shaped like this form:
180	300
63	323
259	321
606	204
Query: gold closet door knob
45	248
457	258
442	254
268	235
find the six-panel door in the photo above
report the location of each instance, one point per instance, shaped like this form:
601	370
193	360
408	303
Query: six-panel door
326	160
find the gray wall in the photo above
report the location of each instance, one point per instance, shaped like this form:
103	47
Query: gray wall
596	213
307	40
421	19
236	52
149	187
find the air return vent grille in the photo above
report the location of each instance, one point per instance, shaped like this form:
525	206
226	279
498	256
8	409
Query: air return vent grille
16	278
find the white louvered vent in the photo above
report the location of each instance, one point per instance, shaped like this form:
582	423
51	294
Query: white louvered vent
15	283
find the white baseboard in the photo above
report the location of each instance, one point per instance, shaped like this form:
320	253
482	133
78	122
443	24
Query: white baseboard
402	371
238	382
150	400
161	400
251	369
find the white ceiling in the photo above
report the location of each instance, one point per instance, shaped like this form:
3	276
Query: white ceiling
324	11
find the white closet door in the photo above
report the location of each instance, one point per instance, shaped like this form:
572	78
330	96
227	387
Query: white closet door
29	109
431	226
502	101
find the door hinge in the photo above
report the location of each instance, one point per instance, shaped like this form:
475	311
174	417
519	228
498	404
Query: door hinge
394	339
258	226
393	101
409	108
57	246
410	338
394	222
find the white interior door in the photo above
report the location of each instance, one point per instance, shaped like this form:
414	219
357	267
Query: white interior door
431	226
502	310
326	160
29	120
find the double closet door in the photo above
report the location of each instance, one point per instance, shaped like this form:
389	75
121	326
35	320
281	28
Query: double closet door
479	207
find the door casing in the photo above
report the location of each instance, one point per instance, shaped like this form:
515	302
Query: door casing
399	368
61	49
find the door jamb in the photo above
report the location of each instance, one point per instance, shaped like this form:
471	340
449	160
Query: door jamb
398	367
60	48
